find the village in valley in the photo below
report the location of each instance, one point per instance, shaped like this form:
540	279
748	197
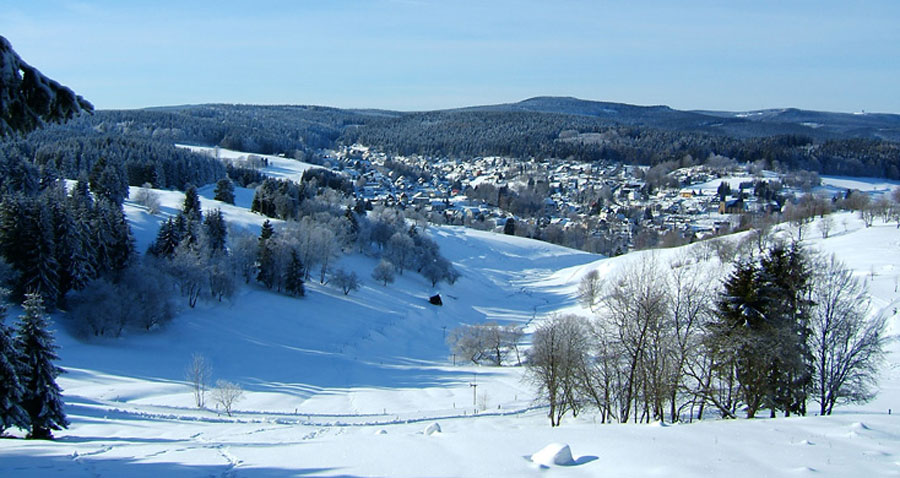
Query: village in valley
609	208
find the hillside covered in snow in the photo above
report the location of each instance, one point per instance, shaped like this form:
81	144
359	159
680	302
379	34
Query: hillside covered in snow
353	385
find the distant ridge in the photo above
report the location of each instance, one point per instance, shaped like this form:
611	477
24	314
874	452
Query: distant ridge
768	122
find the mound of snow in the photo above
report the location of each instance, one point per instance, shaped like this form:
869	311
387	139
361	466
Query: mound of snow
554	454
859	426
432	429
381	432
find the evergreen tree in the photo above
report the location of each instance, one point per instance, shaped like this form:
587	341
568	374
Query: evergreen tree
785	285
293	276
509	228
737	338
267	230
265	256
191	206
119	241
224	191
108	180
11	412
167	240
42	398
762	330
354	223
81	193
41	269
215	230
14	244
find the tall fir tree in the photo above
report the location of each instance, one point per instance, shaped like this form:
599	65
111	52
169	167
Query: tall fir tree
762	329
215	230
41	271
737	337
11	391
293	276
121	242
191	206
785	286
224	191
167	240
42	397
265	256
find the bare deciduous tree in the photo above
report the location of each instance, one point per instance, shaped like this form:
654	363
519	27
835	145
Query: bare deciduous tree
868	214
485	343
589	290
826	224
346	281
559	351
846	344
635	309
198	374
227	394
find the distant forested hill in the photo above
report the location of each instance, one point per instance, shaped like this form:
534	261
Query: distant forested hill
828	143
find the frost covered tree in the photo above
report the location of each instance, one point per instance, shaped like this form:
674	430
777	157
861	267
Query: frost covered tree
148	198
189	268
226	394
11	390
846	344
243	247
400	251
346	281
42	397
438	269
384	272
488	342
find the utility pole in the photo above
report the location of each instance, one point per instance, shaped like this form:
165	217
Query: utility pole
474	386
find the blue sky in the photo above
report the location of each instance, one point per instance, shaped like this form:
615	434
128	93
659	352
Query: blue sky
429	54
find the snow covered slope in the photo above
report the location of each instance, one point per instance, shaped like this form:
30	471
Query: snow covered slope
347	385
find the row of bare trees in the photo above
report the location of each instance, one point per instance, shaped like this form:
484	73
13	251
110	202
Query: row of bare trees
670	341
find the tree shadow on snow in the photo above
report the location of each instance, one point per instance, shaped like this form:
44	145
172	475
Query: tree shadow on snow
75	465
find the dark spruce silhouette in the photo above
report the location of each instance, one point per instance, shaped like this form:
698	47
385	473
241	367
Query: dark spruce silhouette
28	98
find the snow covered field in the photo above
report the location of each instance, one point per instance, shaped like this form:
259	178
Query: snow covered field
278	167
347	385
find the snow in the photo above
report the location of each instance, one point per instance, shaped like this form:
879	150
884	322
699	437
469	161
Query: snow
554	454
279	167
832	185
432	429
350	385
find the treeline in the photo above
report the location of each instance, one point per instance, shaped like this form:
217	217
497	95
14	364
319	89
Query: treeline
785	328
73	152
298	131
254	129
543	135
53	241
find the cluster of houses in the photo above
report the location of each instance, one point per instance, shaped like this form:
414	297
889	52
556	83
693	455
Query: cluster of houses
610	199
